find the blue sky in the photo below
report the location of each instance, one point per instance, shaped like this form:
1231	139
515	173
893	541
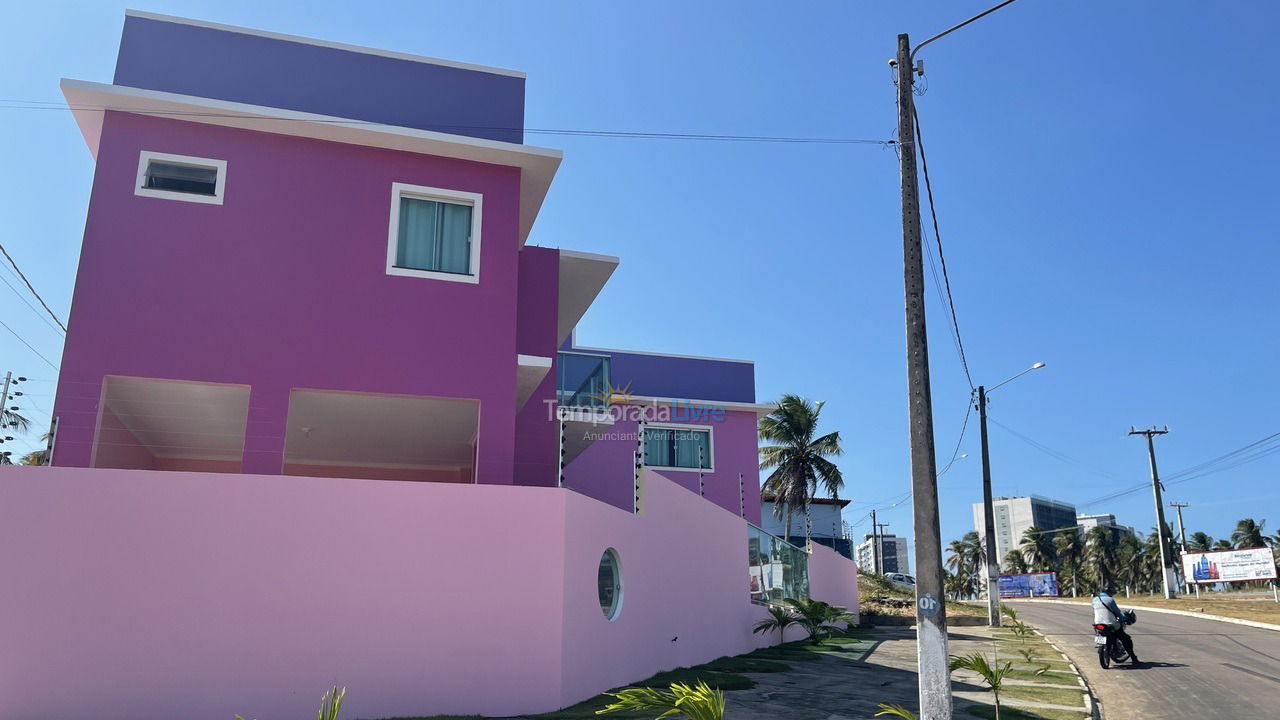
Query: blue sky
1103	178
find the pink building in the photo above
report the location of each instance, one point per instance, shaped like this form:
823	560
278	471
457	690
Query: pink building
321	416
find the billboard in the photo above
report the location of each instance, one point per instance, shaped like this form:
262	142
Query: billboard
1044	584
1229	565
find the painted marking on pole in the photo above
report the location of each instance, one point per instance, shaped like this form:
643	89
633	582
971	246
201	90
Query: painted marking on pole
928	605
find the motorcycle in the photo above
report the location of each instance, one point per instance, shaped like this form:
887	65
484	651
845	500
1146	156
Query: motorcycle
1109	647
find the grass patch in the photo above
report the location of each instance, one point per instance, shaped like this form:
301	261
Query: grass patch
442	717
745	664
1009	713
724	673
1051	676
1056	696
1040	653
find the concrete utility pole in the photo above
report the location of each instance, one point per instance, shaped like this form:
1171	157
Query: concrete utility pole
1182	539
933	673
4	394
875	544
880	545
931	617
4	406
1160	526
989	518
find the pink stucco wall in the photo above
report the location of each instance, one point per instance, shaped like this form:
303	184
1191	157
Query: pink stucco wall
289	269
170	594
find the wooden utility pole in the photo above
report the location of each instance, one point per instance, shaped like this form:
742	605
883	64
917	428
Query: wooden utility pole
1165	567
931	617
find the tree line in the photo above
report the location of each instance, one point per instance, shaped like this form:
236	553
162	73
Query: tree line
1087	562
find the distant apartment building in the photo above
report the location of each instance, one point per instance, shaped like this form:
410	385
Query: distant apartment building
893	554
1107	520
1013	515
824	513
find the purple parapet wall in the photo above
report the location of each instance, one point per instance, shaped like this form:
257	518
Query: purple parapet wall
675	376
605	470
223	63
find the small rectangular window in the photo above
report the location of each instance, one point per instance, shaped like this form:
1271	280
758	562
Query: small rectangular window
181	177
434	233
677	447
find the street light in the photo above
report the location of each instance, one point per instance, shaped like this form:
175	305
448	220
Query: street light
988	510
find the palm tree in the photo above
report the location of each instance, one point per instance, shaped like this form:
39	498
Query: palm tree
1223	544
1152	569
1099	556
1070	549
1015	563
992	675
1037	549
966	560
11	419
1199	542
1248	534
697	702
779	619
1129	559
799	459
817	617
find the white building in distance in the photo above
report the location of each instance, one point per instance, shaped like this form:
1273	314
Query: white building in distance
894	556
1013	515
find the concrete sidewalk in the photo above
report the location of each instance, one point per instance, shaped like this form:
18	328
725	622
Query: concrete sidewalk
851	685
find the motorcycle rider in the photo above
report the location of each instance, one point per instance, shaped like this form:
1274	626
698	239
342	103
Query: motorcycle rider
1107	612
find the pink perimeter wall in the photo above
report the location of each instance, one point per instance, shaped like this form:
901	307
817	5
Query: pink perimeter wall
168	594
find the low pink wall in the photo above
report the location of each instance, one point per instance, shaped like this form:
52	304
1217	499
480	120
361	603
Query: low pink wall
177	594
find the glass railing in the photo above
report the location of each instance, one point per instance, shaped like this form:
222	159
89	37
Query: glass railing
779	570
582	380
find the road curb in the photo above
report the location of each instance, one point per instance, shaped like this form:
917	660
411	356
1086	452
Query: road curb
1091	705
1184	613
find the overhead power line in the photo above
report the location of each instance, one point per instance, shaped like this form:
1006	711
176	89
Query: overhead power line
29	347
30	307
32	289
942	259
1056	455
1252	452
46	105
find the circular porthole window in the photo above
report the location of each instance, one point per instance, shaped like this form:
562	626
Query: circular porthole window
610	584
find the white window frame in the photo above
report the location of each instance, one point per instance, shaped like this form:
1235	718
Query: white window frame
423	192
144	160
711	446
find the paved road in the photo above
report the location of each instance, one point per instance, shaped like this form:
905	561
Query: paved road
1191	668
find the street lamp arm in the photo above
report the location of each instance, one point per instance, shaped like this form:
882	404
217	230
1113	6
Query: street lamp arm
1037	366
950	30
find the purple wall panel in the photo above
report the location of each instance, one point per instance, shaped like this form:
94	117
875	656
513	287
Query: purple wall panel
284	286
224	65
536	429
680	377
